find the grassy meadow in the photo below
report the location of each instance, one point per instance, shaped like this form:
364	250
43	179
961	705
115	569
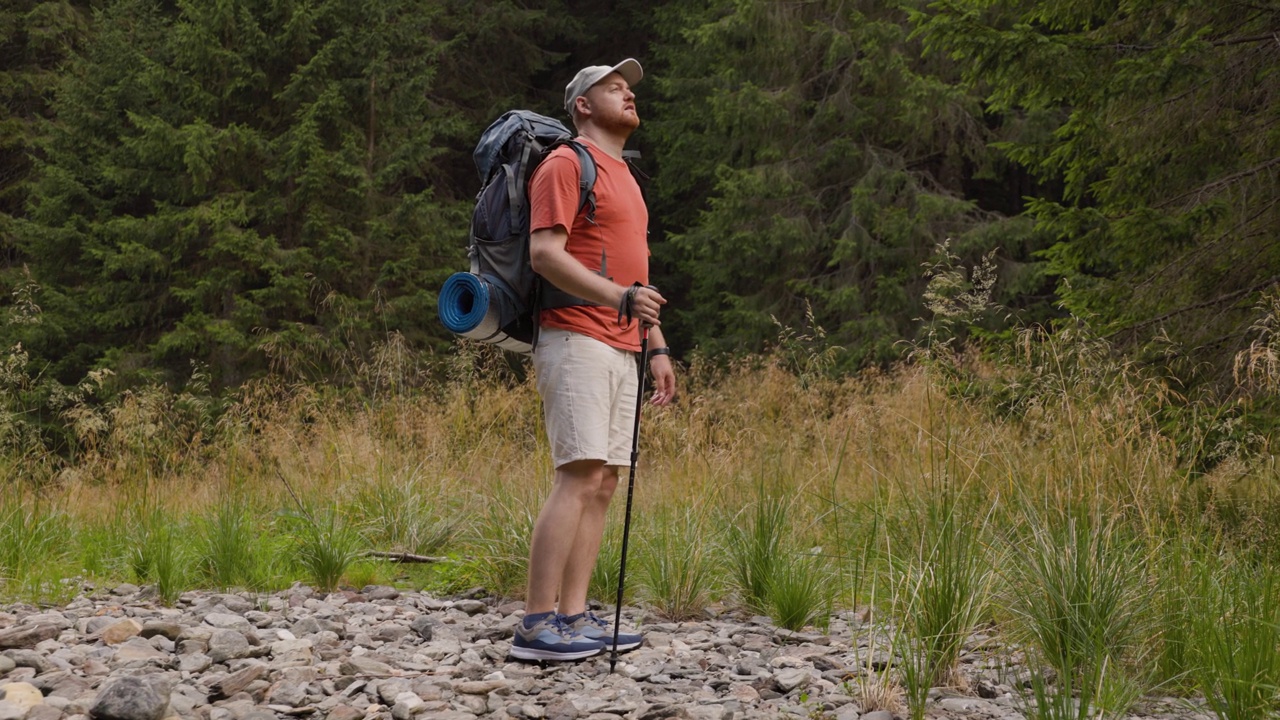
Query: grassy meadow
1040	498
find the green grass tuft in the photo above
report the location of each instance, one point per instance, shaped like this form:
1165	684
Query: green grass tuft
676	568
1237	629
326	546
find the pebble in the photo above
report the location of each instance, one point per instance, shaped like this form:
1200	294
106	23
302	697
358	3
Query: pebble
389	654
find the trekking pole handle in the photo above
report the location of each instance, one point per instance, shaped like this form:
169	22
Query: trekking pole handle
647	325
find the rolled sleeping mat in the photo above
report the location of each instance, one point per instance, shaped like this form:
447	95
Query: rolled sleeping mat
472	307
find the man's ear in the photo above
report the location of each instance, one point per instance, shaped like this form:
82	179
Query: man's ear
582	105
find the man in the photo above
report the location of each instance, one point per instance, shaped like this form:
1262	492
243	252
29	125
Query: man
585	359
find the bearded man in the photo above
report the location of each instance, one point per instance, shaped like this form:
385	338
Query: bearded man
585	358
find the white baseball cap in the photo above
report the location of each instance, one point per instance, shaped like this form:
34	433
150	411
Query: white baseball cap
587	77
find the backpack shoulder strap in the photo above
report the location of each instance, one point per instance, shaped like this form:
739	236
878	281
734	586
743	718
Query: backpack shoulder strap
586	176
550	296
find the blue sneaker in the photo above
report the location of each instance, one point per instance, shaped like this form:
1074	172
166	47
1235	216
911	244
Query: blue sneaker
590	625
551	639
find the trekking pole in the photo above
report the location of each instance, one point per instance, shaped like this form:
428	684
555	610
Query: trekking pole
631	484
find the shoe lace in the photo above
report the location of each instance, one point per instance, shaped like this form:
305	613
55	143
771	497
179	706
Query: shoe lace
557	622
604	624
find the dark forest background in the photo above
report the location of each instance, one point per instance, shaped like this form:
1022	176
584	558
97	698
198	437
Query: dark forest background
207	191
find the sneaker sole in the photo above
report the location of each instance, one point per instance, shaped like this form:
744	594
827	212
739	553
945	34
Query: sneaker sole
622	647
524	653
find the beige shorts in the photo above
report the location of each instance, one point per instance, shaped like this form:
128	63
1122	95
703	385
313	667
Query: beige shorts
588	394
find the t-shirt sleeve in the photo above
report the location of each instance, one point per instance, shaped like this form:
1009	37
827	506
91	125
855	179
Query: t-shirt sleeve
553	193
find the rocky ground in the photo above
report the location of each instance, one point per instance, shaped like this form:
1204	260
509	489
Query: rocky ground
386	654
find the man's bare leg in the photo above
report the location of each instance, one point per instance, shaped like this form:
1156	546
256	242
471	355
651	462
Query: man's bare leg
586	546
577	487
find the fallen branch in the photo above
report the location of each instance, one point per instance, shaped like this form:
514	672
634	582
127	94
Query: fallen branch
405	557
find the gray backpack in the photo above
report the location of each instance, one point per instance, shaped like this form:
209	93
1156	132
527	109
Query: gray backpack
497	300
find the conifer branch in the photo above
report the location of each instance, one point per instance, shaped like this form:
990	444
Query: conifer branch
1127	47
1221	182
1197	306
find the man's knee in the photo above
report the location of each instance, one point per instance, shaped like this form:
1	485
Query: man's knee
584	476
591	479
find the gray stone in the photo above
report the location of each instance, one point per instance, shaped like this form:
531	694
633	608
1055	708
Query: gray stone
161	628
471	607
236	682
849	712
472	704
196	663
480	687
390	632
441	648
306	626
561	709
181	704
227	621
52	617
422	626
961	704
192	646
391	688
30	659
233	603
406	706
227	645
345	712
292	653
11	711
361	665
27	636
95	625
43	712
6	664
380	592
878	715
787	680
287	693
259	619
120	631
131	698
137	651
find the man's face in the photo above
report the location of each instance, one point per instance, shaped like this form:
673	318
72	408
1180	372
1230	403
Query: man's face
612	104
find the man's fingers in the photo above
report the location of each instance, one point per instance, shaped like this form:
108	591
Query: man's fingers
664	384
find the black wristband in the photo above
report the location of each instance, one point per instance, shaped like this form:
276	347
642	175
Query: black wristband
660	351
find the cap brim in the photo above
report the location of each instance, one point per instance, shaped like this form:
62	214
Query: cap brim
630	71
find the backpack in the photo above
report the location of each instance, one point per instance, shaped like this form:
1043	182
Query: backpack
496	301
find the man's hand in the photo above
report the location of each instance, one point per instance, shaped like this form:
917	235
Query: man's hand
664	380
646	303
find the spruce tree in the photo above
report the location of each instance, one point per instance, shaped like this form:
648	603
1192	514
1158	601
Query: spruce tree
1158	121
36	37
247	182
809	161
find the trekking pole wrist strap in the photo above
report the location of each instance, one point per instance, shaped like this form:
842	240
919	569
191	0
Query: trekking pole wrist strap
625	309
659	351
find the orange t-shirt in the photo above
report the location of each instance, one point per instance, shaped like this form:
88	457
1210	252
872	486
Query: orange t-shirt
615	246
